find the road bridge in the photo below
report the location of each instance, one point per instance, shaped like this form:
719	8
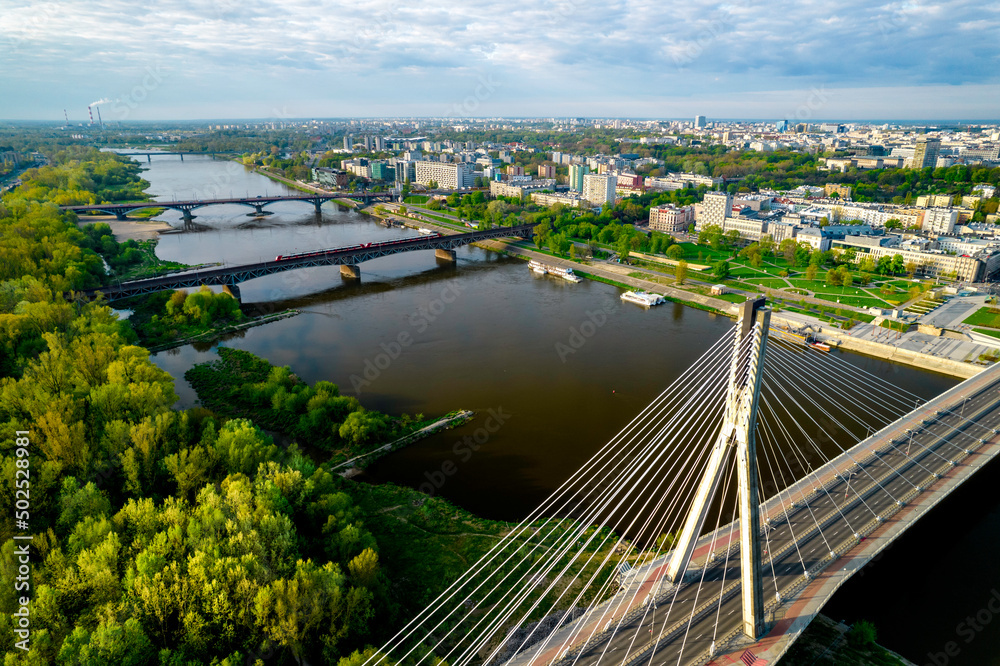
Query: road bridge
181	153
121	210
660	551
347	258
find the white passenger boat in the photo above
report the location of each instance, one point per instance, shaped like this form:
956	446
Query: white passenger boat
642	298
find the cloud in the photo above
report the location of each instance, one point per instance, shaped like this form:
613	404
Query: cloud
402	55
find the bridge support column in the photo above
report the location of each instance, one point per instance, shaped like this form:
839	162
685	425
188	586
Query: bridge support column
188	217
737	432
120	215
319	206
350	271
233	290
445	255
149	158
182	157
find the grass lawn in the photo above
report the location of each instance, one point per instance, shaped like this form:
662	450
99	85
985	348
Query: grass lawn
769	283
895	325
443	220
984	317
415	199
988	331
856	301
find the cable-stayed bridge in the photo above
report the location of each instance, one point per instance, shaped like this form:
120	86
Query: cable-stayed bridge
719	521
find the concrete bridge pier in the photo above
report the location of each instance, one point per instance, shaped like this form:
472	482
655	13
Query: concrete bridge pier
446	255
182	157
233	290
188	217
120	215
149	158
350	272
318	204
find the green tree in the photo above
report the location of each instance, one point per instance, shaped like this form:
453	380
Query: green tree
720	270
863	634
363	427
681	271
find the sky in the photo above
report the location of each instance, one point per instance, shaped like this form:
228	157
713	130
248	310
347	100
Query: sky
264	59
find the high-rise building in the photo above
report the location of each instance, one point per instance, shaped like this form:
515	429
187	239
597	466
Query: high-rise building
348	141
715	209
599	189
576	174
515	170
940	220
781	126
383	171
670	218
546	171
447	175
925	153
405	171
700	121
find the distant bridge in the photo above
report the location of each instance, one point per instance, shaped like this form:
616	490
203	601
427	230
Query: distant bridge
120	210
347	258
182	153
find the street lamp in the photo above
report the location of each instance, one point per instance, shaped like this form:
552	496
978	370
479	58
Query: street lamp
848	488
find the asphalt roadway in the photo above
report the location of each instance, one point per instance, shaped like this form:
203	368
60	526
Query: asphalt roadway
841	507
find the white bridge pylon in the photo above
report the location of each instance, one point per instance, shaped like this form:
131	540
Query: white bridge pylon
737	432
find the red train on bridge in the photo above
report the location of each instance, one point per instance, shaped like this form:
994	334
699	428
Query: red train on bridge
323	253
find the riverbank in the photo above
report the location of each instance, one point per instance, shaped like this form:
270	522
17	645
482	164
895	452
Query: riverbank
842	339
445	423
216	333
591	270
828	642
124	230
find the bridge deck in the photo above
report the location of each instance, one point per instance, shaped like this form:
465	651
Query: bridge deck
821	499
233	275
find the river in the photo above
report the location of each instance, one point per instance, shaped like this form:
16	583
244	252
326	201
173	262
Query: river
416	335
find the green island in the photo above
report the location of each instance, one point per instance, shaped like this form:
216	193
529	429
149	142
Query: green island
229	533
180	537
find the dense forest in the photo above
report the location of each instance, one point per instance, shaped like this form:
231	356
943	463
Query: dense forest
163	536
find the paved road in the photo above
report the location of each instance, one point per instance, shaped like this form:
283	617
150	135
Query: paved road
841	508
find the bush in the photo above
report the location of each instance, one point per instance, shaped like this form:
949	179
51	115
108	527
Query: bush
862	634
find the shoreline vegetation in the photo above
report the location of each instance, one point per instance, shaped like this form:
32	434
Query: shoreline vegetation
171	536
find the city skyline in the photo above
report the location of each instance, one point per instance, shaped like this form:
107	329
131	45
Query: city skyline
903	61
